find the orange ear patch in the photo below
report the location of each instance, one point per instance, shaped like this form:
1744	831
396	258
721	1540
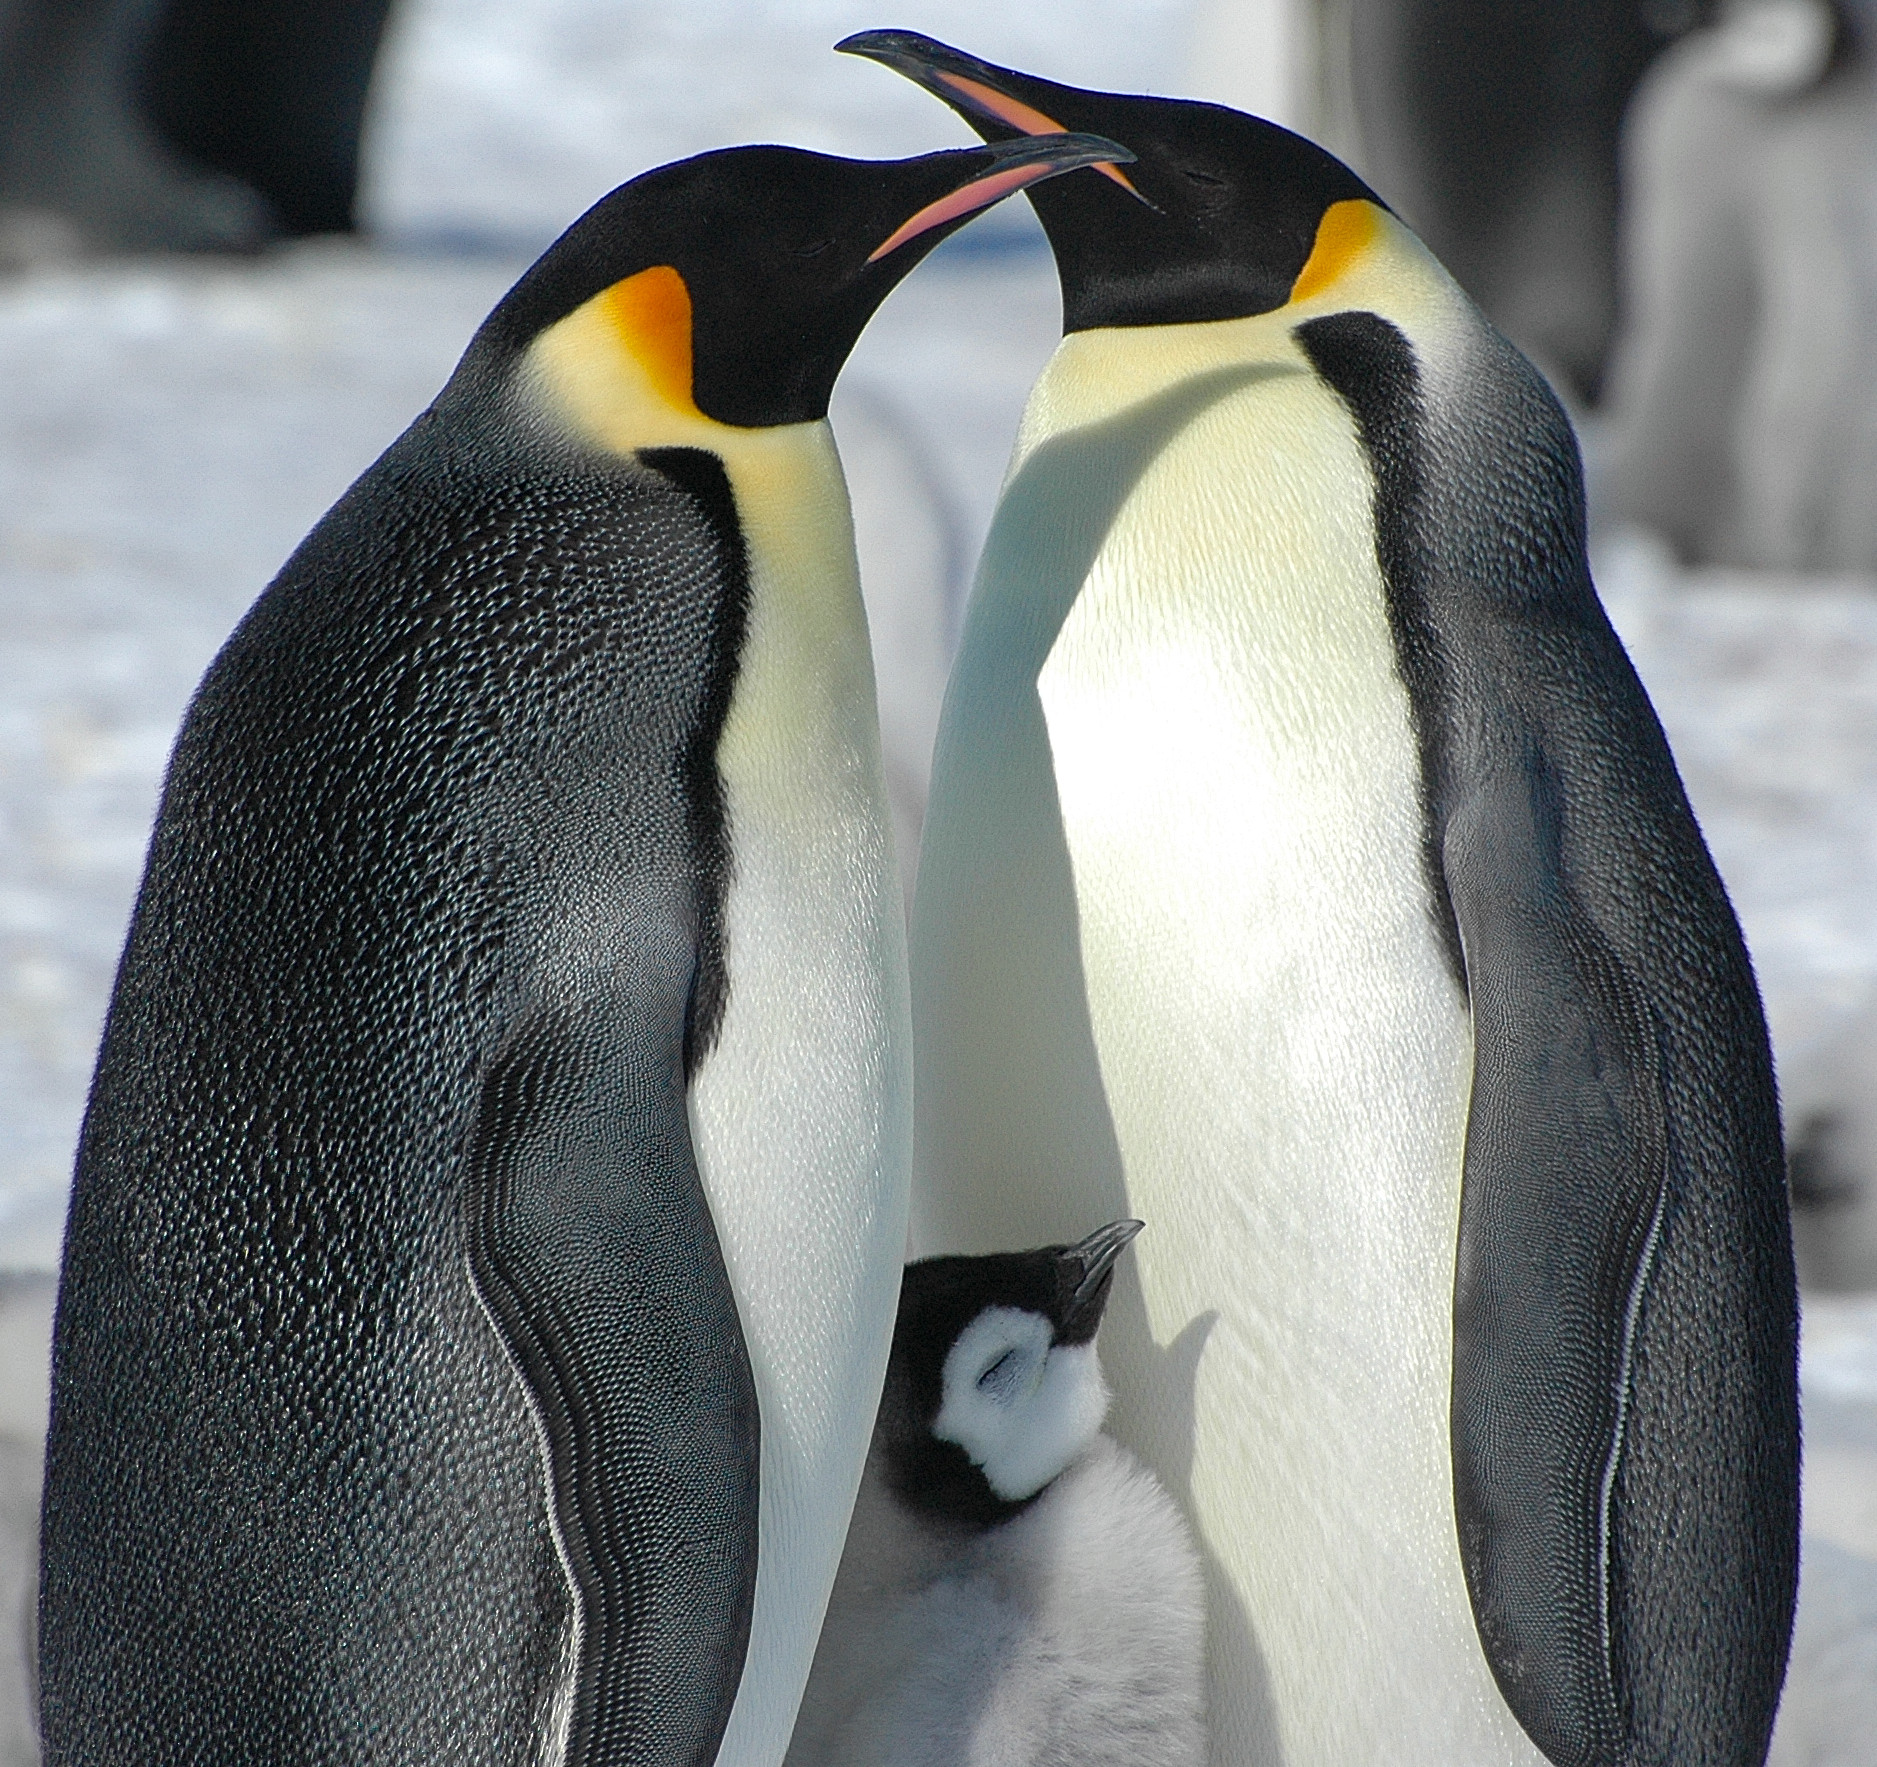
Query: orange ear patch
652	314
1345	232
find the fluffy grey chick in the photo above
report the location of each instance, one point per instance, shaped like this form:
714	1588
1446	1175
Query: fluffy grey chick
1017	1590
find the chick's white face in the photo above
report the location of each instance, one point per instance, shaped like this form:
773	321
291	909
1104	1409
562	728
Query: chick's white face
1020	1408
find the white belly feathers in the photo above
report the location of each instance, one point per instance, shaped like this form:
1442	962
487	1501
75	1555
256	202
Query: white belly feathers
798	1114
1217	784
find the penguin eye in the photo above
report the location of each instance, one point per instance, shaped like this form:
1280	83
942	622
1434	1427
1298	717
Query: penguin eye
813	249
990	1371
1000	1374
1205	178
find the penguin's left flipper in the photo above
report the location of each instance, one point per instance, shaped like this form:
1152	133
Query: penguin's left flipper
593	1247
1624	1414
1565	1181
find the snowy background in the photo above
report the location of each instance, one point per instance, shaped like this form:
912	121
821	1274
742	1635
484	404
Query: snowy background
169	430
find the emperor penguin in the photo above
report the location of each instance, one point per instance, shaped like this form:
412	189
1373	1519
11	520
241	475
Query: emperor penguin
1017	1589
1307	873
491	1202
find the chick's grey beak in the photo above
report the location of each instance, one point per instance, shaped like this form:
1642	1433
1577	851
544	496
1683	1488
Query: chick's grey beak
1091	1263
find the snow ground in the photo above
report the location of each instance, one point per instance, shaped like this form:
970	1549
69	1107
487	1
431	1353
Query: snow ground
169	431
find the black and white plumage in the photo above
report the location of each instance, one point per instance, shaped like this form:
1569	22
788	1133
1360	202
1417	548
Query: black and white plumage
1305	869
491	1201
1017	1590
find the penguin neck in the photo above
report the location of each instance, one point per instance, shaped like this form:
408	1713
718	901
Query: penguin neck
586	381
1380	267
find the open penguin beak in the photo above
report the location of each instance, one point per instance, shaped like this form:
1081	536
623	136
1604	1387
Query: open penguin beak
1089	1265
972	87
1027	160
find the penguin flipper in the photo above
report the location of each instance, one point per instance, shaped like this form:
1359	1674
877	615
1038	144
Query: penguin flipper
593	1248
1625	1404
1566	1177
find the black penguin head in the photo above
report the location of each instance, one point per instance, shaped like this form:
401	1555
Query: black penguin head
992	1388
1216	219
741	279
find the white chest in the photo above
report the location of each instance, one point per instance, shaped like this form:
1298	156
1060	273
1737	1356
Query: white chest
799	1114
1221	790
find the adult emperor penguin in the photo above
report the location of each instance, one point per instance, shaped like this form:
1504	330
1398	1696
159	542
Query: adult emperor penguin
1017	1589
501	1119
1306	872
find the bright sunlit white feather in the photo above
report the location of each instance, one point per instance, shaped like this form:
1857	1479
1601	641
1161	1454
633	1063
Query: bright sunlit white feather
1022	1410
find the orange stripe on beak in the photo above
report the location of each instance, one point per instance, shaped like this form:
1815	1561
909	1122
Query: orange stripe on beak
1020	116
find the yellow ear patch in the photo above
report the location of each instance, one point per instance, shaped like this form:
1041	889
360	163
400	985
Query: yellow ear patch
1345	232
652	314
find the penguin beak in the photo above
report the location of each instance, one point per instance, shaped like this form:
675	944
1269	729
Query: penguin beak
1089	1265
969	86
1014	164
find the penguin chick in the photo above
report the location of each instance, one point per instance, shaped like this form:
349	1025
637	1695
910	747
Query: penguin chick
1016	1588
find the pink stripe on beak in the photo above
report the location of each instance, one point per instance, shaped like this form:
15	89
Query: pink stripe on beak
964	202
1020	116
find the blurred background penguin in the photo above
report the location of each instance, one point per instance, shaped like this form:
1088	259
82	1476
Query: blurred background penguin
193	125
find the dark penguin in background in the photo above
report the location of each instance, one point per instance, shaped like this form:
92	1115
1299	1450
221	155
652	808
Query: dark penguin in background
1307	873
491	1204
180	125
270	93
1017	1588
1495	125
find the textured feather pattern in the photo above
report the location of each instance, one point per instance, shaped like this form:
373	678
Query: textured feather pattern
1263	896
417	942
405	1402
1069	1636
799	1117
1624	1212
